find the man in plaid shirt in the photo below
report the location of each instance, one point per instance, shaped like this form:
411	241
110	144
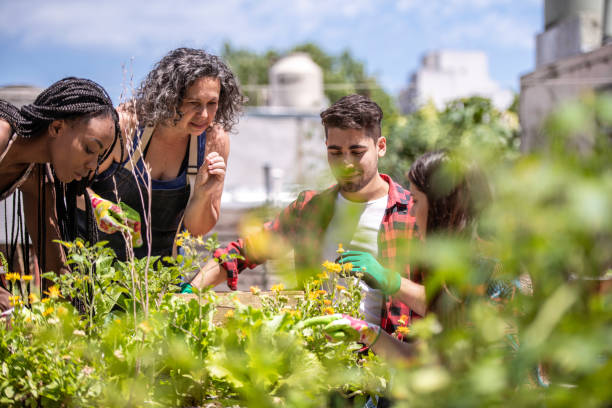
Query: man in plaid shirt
366	210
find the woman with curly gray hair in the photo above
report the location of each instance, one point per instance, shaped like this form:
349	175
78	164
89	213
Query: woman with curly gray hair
178	128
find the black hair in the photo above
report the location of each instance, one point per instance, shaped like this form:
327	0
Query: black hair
69	99
354	112
456	192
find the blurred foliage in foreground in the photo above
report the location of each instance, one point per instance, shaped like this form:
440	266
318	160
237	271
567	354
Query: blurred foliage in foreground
465	123
551	221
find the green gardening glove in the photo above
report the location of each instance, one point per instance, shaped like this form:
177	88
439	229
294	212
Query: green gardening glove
342	327
374	274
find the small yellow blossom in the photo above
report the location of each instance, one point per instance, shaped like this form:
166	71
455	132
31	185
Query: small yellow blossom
403	319
53	292
347	267
327	302
403	330
179	242
229	314
200	241
323	275
79	244
33	298
313	295
321	292
14	300
340	250
27	278
340	287
328	310
277	288
255	290
45	300
48	311
145	326
316	282
12	276
62	311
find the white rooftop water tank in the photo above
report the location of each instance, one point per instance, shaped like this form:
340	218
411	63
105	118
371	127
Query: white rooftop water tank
296	81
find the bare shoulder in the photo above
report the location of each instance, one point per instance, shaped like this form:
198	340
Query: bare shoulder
217	140
6	131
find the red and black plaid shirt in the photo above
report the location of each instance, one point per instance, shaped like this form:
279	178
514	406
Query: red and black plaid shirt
303	224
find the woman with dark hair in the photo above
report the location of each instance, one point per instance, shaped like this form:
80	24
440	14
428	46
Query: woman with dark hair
178	129
58	140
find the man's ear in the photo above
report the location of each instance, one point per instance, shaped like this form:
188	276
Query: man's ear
56	127
381	145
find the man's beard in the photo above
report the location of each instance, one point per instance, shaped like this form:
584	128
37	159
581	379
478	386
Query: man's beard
352	187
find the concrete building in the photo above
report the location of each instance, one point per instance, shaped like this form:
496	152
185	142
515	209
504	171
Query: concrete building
296	81
574	56
446	75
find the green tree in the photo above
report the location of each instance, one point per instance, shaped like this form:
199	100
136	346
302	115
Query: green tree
343	74
464	123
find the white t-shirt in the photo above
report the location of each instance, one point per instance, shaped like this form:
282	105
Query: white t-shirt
356	226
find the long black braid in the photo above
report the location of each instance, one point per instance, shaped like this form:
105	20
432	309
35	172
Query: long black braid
69	98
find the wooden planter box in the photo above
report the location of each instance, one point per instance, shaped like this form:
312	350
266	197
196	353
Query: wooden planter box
226	301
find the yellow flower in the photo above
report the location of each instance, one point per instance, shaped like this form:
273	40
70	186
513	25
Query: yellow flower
328	310
347	267
13	276
321	292
53	292
145	326
313	295
327	302
79	244
323	275
255	290
316	282
332	267
200	241
229	314
179	242
403	330
403	319
45	300
27	278
33	298
14	300
277	288
62	311
340	250
48	311
340	287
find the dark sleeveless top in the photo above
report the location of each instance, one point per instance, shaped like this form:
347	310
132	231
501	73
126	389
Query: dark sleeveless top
168	201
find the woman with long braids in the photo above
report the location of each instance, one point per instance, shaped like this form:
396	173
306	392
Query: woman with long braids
177	127
58	141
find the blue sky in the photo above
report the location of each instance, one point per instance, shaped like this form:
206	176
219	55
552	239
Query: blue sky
43	40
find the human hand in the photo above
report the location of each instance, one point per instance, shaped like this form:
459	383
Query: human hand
374	274
111	217
342	327
212	171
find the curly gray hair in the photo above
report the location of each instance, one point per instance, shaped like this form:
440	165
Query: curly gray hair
160	95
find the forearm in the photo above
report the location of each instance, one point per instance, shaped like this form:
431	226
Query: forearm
202	212
211	274
413	295
392	349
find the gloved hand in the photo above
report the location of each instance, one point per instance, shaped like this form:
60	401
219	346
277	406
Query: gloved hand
374	274
111	218
186	288
342	327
